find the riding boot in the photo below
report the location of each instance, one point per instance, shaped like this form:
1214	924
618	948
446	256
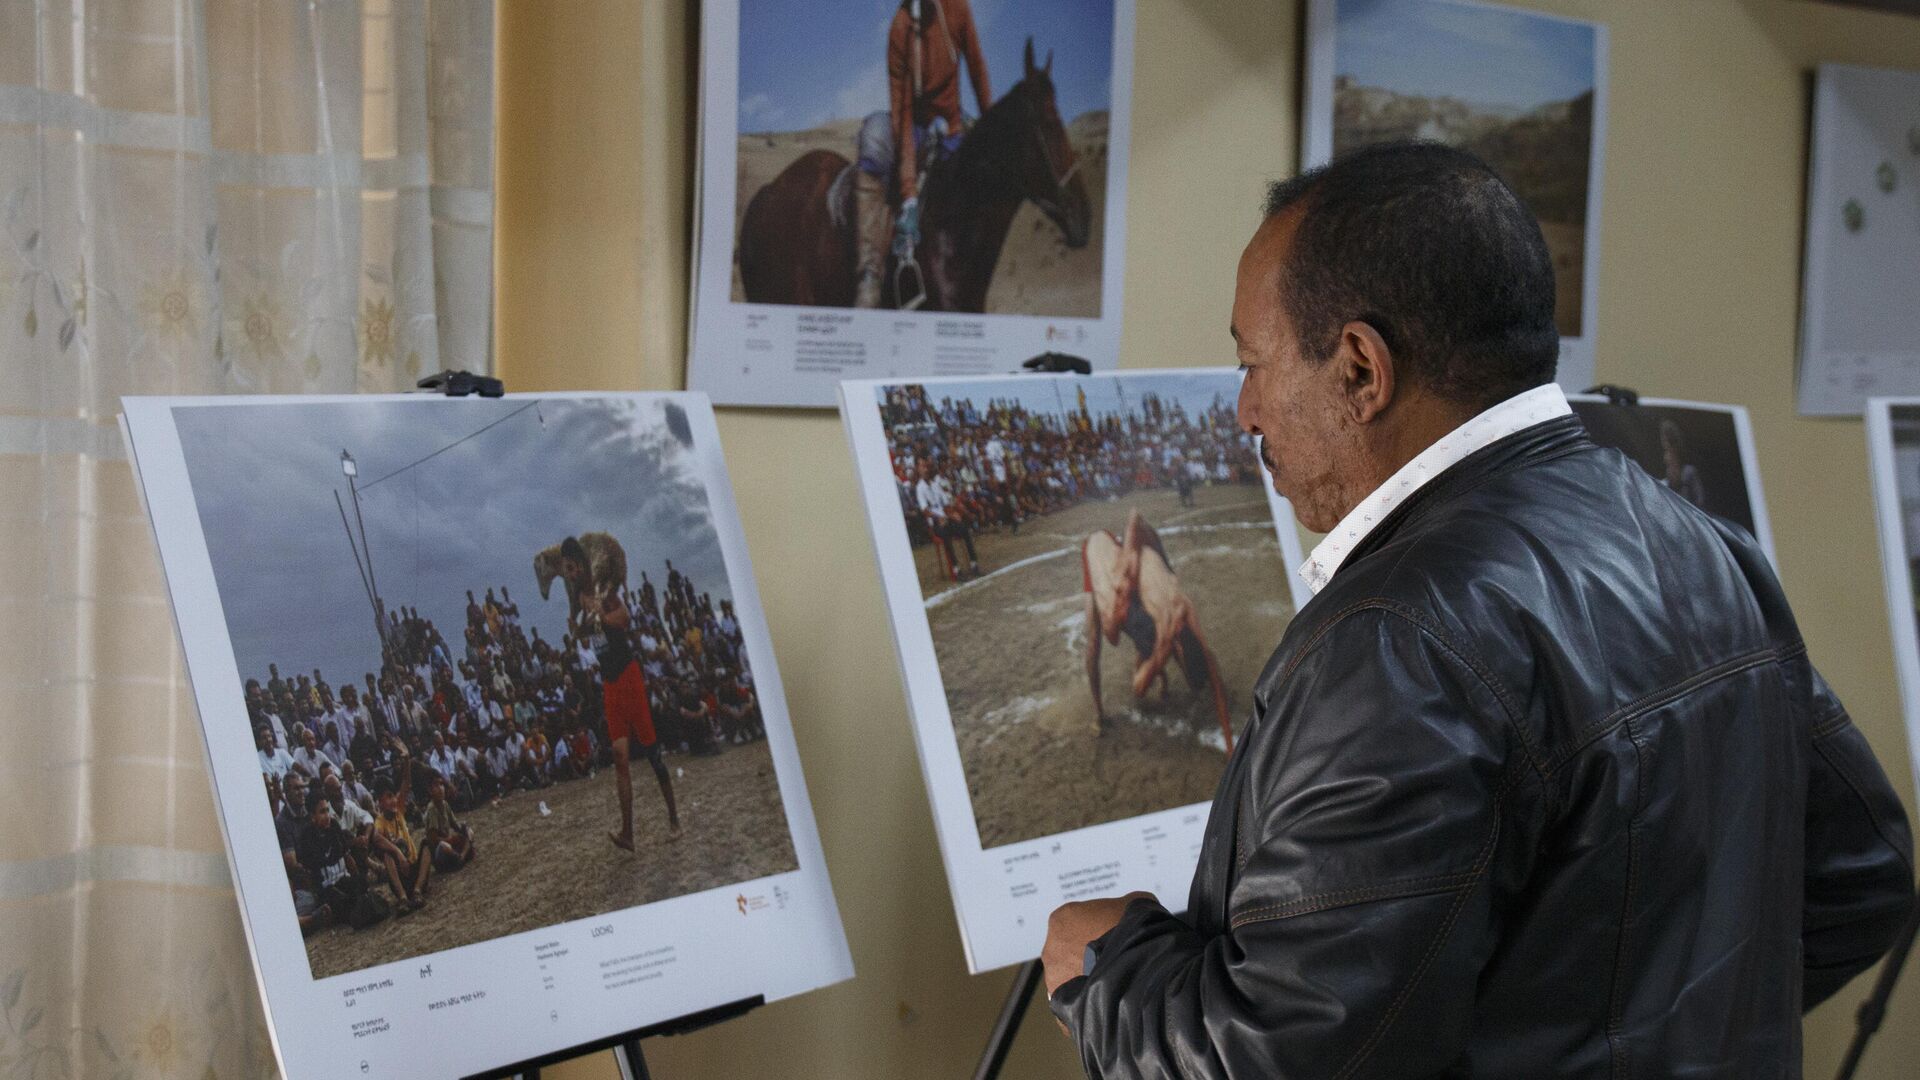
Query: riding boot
873	225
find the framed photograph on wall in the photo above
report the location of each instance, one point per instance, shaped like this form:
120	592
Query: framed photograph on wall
1525	91
496	736
1702	450
1085	574
1860	312
1893	450
894	189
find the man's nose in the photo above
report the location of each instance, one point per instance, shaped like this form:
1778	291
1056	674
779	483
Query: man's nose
1243	413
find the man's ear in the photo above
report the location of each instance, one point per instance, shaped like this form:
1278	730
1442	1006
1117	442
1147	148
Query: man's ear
1367	369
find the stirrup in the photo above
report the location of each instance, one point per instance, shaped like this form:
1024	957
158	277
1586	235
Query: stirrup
900	272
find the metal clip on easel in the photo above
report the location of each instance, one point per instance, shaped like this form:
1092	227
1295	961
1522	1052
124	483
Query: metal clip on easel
1615	395
1055	363
463	384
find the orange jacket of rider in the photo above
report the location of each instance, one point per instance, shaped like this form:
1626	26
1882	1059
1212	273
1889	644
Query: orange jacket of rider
949	37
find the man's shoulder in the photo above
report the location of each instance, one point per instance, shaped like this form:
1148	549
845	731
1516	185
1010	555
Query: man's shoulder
1571	588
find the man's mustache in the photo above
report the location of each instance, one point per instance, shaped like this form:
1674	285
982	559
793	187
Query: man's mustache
1266	458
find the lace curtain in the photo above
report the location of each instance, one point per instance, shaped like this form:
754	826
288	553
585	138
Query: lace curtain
196	196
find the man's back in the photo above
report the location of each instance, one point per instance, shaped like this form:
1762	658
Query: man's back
1671	719
1542	783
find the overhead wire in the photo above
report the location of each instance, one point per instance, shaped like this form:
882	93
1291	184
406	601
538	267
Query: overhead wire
451	445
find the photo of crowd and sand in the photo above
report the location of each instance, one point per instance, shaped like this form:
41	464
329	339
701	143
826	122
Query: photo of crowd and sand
1103	581
1513	87
1012	191
1696	452
462	629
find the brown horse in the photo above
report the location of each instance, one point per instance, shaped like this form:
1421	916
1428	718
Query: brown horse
797	248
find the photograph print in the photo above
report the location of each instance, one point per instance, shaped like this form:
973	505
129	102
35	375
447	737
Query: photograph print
1702	451
1893	447
491	663
1521	90
1099	566
928	155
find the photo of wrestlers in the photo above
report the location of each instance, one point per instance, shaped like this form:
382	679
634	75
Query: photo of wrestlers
931	155
1694	451
1102	579
490	662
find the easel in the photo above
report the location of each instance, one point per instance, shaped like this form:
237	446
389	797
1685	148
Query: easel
1026	978
1874	1009
627	1053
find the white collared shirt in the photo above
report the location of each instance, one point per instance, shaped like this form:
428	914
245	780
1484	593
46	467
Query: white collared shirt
1517	413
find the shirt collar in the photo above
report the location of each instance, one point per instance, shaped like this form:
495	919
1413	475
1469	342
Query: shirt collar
1517	413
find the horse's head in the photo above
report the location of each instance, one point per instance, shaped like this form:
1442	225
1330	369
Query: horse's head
1049	172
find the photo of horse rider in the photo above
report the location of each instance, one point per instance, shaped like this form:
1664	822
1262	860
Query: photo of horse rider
915	186
927	43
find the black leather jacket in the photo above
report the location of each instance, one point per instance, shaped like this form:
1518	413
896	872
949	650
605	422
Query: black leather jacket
1541	785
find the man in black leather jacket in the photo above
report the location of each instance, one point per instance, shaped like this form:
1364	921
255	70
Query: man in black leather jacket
1542	782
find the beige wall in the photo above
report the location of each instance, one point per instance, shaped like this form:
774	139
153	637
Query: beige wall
1699	291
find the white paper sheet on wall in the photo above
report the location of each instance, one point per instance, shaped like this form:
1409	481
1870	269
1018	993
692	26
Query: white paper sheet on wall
1860	315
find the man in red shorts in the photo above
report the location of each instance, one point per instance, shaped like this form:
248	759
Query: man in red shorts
629	719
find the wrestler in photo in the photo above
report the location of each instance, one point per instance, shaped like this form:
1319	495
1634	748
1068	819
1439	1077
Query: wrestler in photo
1131	588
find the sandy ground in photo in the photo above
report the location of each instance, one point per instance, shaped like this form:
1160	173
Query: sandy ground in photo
535	870
1011	647
1037	273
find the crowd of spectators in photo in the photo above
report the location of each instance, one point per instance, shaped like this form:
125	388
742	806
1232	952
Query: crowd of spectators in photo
367	782
961	468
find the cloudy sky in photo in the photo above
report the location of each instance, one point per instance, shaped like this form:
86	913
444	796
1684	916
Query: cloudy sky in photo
472	516
804	63
1514	60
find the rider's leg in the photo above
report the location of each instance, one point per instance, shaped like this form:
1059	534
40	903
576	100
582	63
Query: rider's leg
873	220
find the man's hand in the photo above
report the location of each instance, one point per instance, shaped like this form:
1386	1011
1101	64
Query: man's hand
1072	927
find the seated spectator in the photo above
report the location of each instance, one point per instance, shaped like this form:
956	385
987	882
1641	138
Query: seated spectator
321	852
448	838
408	868
355	790
537	757
500	767
330	745
274	760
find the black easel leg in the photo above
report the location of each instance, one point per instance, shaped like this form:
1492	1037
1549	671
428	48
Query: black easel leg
1874	1009
632	1061
1025	981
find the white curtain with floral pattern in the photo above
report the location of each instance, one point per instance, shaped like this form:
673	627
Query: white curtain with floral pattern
196	196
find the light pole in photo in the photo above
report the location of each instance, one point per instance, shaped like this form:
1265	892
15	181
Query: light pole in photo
362	554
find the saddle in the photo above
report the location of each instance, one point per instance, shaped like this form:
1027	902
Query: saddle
839	195
840	198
